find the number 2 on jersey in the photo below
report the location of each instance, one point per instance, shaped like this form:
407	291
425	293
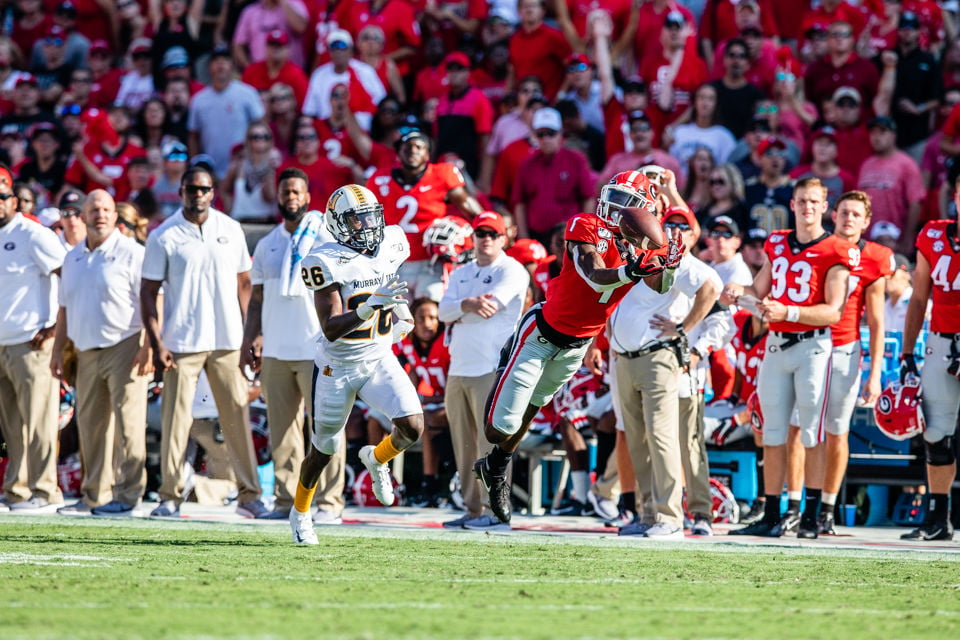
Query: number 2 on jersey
384	320
801	272
410	207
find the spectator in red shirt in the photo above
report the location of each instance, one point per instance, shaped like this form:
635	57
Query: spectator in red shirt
553	184
652	14
538	50
106	79
325	175
370	44
277	68
452	19
616	106
853	140
841	67
642	153
431	80
464	115
398	20
510	127
824	167
832	11
674	74
100	162
508	163
718	23
31	25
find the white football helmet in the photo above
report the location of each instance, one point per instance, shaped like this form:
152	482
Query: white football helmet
355	217
654	173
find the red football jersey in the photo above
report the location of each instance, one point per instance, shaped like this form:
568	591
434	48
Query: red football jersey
935	245
572	306
112	166
336	142
415	206
876	261
431	370
799	272
749	352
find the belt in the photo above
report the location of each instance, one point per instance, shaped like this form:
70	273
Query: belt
630	355
948	336
792	338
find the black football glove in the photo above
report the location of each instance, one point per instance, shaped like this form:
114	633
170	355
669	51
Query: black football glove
637	271
908	367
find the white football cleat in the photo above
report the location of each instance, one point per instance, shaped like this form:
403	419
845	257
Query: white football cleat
380	475
301	524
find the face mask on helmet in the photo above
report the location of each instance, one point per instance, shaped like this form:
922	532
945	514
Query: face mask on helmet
614	197
355	218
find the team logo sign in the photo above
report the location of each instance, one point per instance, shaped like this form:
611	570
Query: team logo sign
884	405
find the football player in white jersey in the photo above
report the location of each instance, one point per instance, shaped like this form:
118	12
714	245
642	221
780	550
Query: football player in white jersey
357	293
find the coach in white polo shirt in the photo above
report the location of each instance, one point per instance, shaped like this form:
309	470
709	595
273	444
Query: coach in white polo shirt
30	256
199	255
100	312
481	308
280	342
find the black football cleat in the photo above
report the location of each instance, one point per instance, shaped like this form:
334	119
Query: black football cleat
808	529
789	523
498	488
761	529
942	530
826	524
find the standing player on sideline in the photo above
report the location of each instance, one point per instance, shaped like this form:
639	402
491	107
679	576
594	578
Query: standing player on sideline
802	287
867	285
356	292
937	275
553	337
415	194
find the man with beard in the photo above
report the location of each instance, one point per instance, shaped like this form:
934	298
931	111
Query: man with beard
176	97
199	256
279	339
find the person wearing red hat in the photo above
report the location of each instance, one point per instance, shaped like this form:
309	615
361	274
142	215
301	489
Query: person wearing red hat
26	110
276	67
767	195
480	307
652	15
464	115
537	49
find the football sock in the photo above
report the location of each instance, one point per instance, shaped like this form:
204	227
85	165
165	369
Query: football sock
581	485
771	509
811	508
498	460
827	501
628	501
606	442
938	506
793	505
760	485
386	451
429	484
301	501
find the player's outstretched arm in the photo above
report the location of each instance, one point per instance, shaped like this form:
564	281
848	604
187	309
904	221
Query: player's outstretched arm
590	267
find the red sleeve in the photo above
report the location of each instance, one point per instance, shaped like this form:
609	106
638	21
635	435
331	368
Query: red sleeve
451	176
767	20
885	264
924	242
581	228
951	127
477	9
75	174
484	116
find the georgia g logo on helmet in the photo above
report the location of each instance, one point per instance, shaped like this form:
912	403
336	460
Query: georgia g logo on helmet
355	217
884	404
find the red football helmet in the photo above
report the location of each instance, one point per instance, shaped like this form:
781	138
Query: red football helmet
449	239
363	491
756	415
898	412
626	189
527	251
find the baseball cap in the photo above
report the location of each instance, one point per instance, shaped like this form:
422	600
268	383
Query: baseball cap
457	58
639	114
41	127
340	35
634	84
56	31
502	14
770	142
278	37
760	124
100	46
902	263
12	130
825	132
883	122
908	20
883	228
847	92
547	118
204	160
67	8
751	30
175	58
72	199
724	221
578	62
26	78
48	216
490	220
757	234
674	19
176	150
412	133
817	29
141	45
222	51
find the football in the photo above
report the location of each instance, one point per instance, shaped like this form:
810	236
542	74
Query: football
641	228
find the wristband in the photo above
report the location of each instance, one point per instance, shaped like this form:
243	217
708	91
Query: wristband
793	314
680	331
622	275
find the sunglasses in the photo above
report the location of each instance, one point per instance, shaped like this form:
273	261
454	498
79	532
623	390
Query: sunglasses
737	56
639	128
847	103
762	111
307	137
721	234
81	80
57	42
338	45
718	182
683	226
785	77
177	157
546	134
580	66
194	189
6	196
840	34
259	137
486	233
275	99
776	153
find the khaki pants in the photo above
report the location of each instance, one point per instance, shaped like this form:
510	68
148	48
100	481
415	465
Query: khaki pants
286	385
647	387
112	442
230	393
464	399
29	407
696	469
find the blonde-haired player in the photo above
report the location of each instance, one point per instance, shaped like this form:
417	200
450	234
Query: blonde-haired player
357	293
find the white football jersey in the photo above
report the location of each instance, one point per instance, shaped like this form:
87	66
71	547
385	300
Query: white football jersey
358	275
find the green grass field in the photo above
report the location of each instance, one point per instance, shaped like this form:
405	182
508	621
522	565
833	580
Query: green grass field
126	579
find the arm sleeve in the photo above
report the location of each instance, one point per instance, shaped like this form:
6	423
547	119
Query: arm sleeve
449	308
512	283
47	251
256	269
154	260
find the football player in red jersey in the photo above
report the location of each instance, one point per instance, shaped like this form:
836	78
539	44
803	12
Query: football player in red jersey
413	195
802	288
553	337
937	277
866	293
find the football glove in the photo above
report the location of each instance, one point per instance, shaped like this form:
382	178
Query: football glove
675	251
637	271
908	367
386	297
